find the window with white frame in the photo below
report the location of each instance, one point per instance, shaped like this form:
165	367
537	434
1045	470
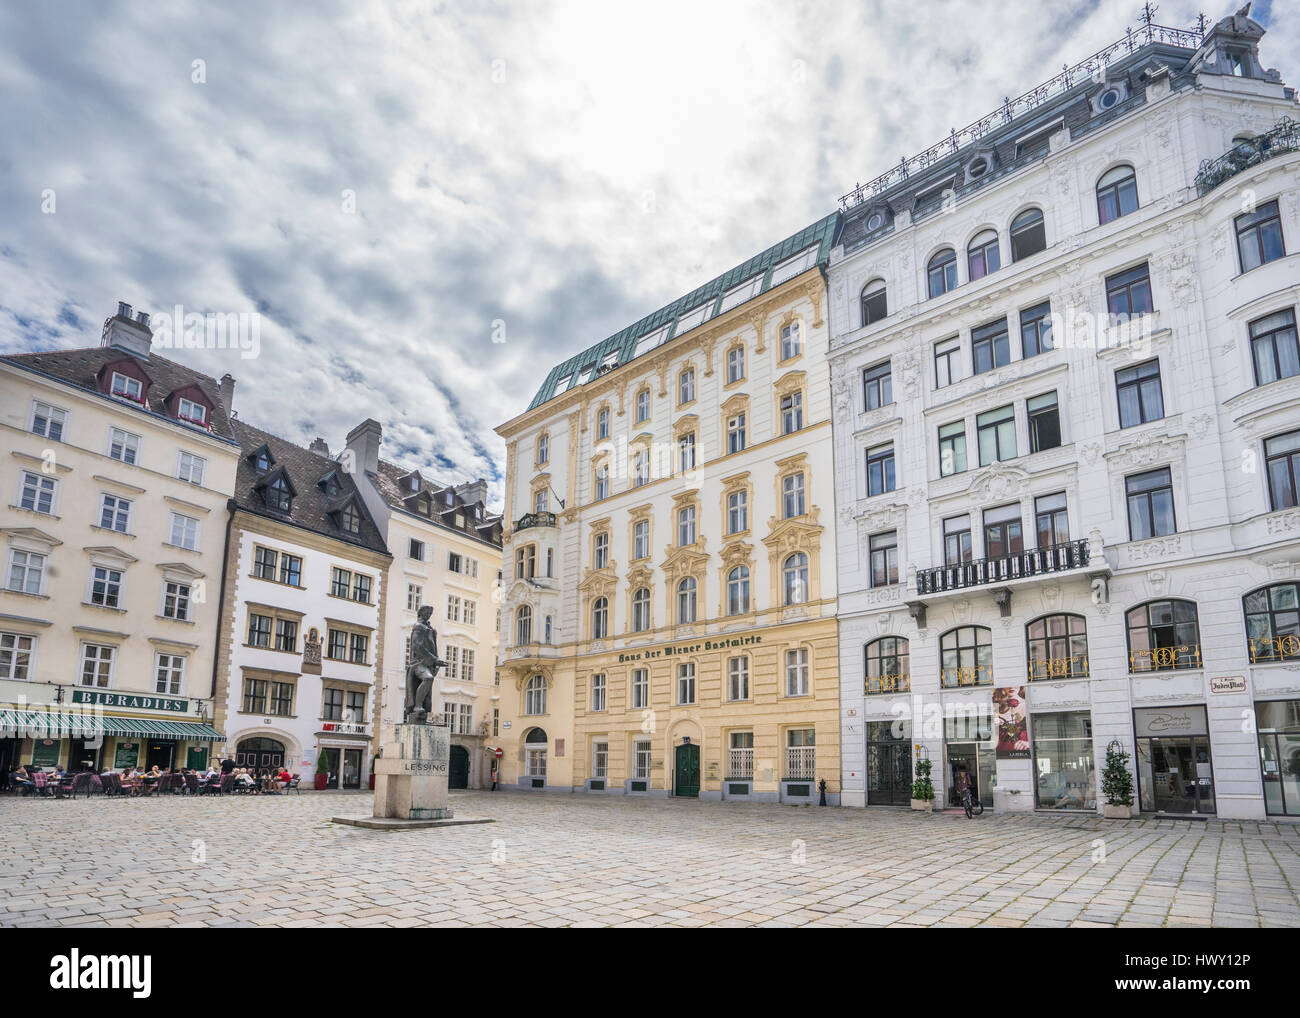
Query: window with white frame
641	539
791	412
800	754
543	448
686	525
36	493
195	413
641	610
535	759
600	551
97	665
16	652
602	482
176	600
686	386
469	611
467	664
686	682
600	618
686	452
123	445
795	578
686	601
640	687
602	423
598	691
185	532
791	341
792	496
735	364
643	406
600	759
737	512
641	758
48	421
114	513
736	433
738	590
190	467
169	674
414	596
453	608
26	573
738	678
127	387
105	586
796	672
535	696
947	362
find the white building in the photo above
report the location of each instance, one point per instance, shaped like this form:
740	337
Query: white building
300	650
1041	502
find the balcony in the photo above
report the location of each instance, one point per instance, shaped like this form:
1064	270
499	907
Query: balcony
740	764
800	763
1275	648
536	520
877	684
961	678
1283	138
1059	558
1168	658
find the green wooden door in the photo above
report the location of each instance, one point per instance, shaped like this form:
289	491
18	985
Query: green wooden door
686	776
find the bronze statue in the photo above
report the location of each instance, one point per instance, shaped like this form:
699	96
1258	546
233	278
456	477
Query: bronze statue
422	671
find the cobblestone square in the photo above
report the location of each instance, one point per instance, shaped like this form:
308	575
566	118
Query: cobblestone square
560	860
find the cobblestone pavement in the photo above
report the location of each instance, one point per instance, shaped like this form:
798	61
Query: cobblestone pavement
559	860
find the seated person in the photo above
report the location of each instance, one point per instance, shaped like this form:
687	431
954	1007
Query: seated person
154	772
22	779
284	777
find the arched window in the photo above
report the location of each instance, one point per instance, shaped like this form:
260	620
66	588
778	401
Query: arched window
875	305
942	272
599	618
1058	647
1163	635
1117	194
966	657
1273	622
535	697
1028	234
795	578
641	610
982	255
524	625
887	669
602	423
535	745
686	591
738	591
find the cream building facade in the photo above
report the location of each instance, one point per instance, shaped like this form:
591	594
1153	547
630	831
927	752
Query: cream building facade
120	463
669	617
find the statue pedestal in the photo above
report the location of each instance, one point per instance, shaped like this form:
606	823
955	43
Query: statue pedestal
411	775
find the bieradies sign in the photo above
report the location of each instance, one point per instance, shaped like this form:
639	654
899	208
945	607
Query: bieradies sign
134	701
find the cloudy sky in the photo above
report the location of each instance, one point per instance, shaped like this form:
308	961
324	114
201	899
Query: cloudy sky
391	186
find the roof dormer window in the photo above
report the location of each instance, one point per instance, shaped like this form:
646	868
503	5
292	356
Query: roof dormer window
350	519
278	496
127	387
195	413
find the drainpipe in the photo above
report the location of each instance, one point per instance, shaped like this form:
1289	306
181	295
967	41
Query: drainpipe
231	506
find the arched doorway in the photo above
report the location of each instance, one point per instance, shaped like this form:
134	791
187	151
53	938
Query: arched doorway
259	753
458	768
535	758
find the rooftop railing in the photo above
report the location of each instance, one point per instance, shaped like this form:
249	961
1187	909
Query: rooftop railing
1282	138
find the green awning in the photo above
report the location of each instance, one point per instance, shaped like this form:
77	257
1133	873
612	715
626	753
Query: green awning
40	724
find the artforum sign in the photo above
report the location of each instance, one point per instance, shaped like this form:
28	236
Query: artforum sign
691	648
135	701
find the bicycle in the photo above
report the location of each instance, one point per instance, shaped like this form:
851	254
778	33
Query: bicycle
972	805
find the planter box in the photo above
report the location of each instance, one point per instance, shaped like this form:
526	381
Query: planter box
923	805
1116	812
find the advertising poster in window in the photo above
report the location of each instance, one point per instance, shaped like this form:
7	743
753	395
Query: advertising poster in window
1012	721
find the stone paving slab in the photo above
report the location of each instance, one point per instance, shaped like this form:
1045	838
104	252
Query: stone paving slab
551	861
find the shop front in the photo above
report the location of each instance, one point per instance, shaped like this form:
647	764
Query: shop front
1174	768
1065	768
1277	726
344	745
971	757
889	763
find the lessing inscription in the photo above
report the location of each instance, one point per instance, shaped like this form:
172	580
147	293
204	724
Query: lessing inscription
423	766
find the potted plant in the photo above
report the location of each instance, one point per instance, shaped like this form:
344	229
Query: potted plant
923	787
322	771
1117	784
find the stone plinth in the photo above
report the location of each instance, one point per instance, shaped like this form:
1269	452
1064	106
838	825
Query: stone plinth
411	773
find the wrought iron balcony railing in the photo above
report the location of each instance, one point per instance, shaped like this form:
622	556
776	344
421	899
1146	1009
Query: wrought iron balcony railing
1282	138
1050	668
956	678
1274	648
1159	659
535	520
888	684
1055	559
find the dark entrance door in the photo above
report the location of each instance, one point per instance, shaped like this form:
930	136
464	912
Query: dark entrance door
260	754
686	774
458	768
332	765
352	768
161	752
889	774
9	753
84	754
1174	775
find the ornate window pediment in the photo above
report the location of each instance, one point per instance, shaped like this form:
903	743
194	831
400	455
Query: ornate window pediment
791	381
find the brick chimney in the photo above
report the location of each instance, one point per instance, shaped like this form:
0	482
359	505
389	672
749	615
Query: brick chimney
128	331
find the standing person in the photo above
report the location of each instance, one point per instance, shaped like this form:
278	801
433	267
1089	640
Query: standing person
227	765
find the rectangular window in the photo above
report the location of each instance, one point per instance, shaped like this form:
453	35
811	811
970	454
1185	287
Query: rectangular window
738	678
360	645
686	452
122	445
185	532
737	512
1150	504
686	393
340	582
331	705
467	665
641	539
1282	461
356	710
1003	531
790	342
16	651
191	468
361	588
796	672
414	596
880	469
1274	347
686	526
415	550
990	346
735	364
48	421
791	412
26	571
1259	236
1129	293
640	687
455	562
255	696
598	691
37	493
1051	521
176	601
336	646
105	586
1036	330
947	362
169	675
996	430
877	386
124	385
96	665
641	758
1138	391
686	682
114	513
195	413
1044	422
952	448
792	497
286	634
600	759
281	704
291	570
264	563
736	433
956	540
259	630
884	559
